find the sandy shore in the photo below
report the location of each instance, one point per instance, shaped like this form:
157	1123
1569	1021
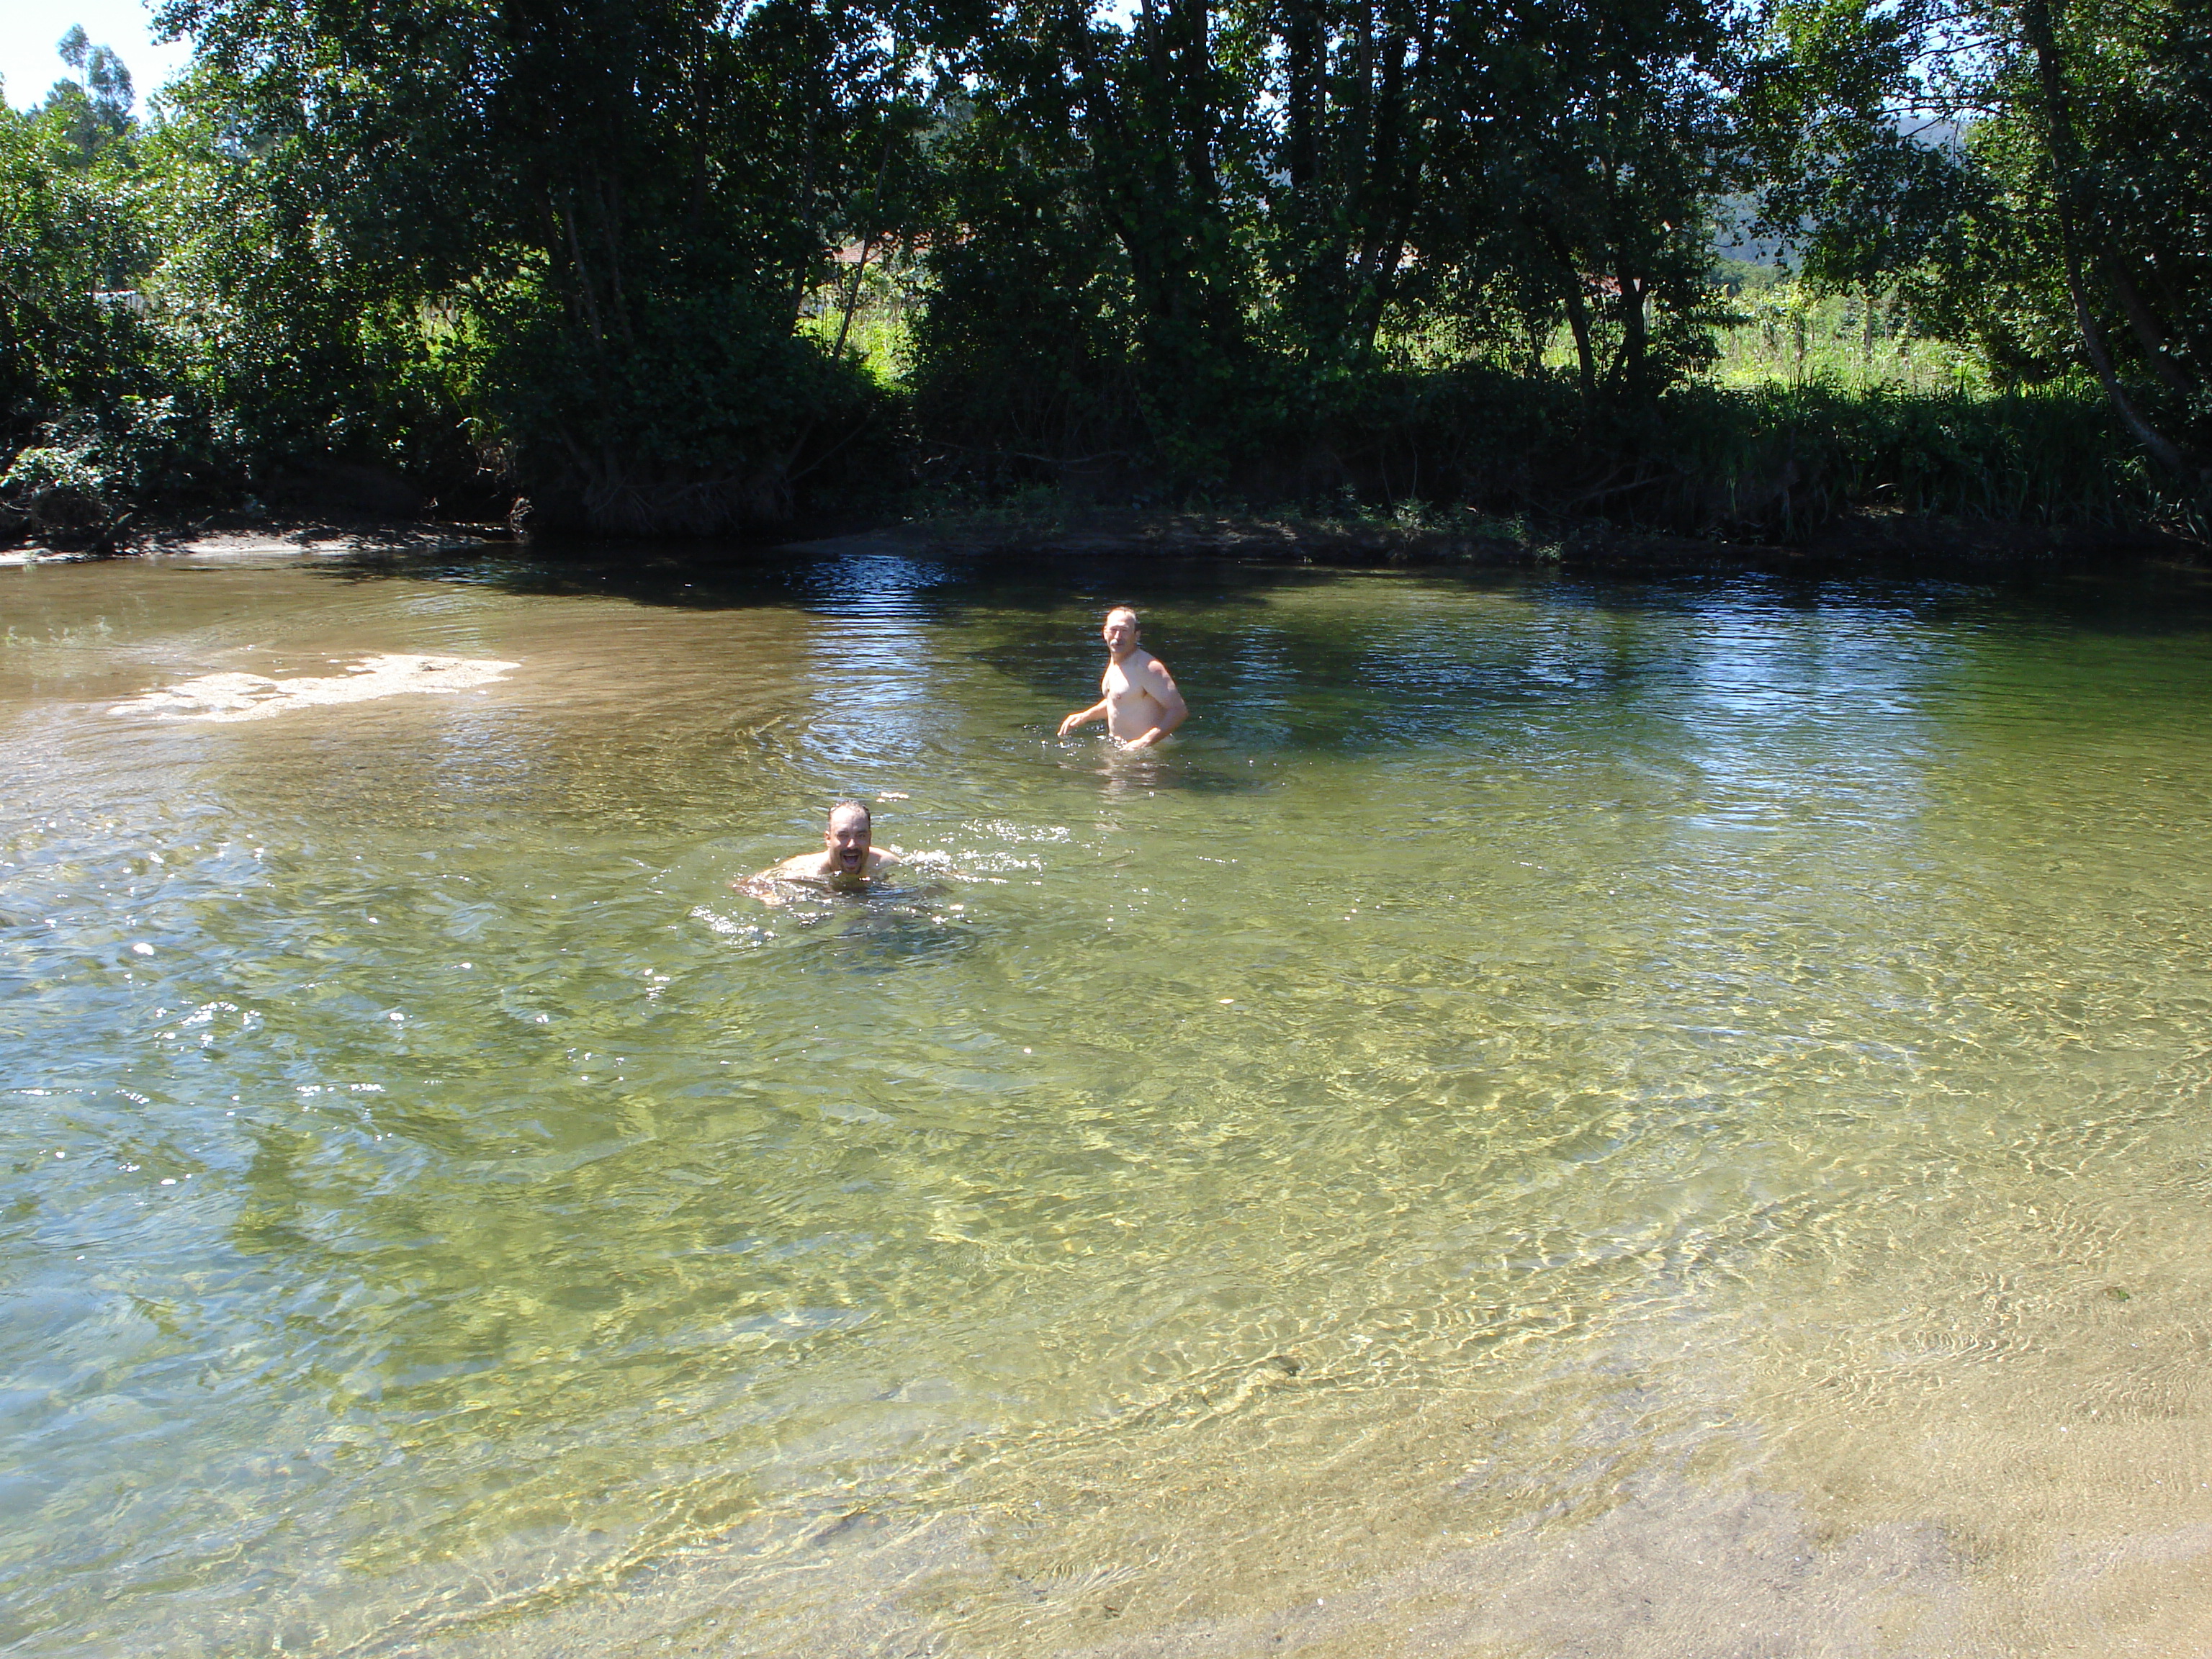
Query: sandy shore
277	540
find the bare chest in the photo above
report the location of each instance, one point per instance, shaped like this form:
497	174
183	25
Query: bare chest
1119	684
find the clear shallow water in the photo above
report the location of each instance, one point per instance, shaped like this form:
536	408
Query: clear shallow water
1554	1119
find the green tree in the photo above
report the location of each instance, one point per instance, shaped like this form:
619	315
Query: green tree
2060	222
605	216
96	420
89	109
1581	149
1139	138
1024	353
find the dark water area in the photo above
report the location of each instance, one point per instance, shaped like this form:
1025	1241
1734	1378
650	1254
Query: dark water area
1556	1117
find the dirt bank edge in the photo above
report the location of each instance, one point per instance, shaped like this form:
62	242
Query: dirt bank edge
1865	540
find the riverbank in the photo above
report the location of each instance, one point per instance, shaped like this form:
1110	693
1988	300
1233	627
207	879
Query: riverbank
1872	540
1875	541
243	538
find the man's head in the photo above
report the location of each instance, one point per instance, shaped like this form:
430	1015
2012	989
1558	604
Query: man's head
1121	631
848	838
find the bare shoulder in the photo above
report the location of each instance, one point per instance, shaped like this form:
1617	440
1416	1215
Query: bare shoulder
880	856
1154	669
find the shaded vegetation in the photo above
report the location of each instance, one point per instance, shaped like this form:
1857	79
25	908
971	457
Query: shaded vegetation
680	267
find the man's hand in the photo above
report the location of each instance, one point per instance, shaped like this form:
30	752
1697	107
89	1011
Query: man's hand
762	887
1082	717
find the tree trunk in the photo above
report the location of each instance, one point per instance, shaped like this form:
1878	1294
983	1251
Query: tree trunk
1303	50
2041	28
2149	335
1578	320
1628	369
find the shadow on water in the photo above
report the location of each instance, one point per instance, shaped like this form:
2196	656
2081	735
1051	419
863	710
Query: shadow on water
893	926
2132	599
914	587
1189	767
1270	666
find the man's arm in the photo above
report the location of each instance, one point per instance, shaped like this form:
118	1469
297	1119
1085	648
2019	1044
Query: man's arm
1084	717
1174	711
763	885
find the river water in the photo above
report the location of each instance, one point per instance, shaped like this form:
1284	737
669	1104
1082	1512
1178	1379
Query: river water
1555	1119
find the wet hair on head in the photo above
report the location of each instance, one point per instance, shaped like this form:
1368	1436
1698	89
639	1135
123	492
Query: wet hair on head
1129	611
861	807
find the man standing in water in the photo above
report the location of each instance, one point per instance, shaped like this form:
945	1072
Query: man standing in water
846	862
1140	705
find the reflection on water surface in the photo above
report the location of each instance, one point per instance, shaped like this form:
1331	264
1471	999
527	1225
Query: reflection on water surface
1553	1120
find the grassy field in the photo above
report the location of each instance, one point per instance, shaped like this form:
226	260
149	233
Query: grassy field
878	333
1788	336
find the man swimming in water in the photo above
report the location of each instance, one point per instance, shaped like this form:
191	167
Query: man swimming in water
846	862
1141	705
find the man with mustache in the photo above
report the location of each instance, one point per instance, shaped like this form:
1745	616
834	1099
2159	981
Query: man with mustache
845	864
1138	701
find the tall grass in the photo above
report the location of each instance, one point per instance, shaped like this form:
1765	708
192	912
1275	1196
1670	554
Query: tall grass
1786	458
1773	461
876	333
1786	333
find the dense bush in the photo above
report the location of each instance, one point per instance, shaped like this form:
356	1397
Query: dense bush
713	414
